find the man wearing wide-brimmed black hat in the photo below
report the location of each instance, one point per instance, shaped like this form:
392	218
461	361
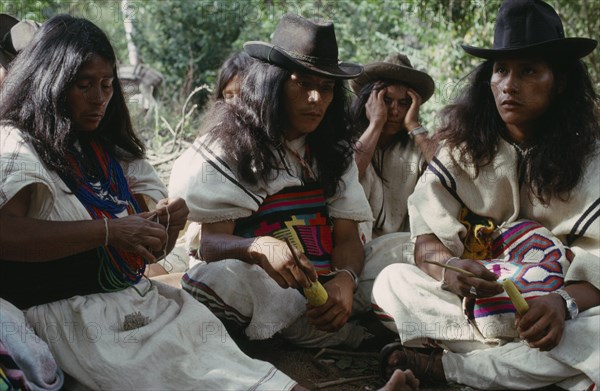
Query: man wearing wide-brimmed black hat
277	165
520	154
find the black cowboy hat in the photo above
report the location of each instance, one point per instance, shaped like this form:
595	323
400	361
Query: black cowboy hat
531	27
396	67
299	43
14	36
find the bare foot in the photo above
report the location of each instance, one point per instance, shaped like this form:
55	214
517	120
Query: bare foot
402	381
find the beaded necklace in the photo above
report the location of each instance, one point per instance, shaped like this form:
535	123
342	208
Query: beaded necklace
100	185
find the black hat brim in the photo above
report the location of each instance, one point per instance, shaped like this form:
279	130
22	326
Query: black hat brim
5	58
563	47
415	79
6	23
272	54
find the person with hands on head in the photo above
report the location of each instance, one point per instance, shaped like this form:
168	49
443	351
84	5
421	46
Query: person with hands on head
519	155
389	97
393	147
391	155
77	237
278	164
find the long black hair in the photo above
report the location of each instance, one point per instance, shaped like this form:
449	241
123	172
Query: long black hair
564	141
33	97
251	128
233	66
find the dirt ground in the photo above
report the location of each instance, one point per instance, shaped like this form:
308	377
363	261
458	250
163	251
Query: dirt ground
330	369
325	369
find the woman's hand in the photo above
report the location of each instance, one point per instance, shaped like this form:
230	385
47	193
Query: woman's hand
334	314
276	259
172	212
484	285
137	234
543	324
411	119
375	108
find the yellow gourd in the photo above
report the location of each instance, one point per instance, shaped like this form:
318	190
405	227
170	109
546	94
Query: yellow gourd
316	294
515	296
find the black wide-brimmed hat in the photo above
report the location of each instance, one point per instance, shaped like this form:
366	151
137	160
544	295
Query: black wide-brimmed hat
14	36
302	44
531	27
396	67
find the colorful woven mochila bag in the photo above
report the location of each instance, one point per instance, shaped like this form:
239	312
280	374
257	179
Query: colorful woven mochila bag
100	185
523	251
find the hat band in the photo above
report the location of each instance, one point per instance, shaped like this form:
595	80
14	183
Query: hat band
312	60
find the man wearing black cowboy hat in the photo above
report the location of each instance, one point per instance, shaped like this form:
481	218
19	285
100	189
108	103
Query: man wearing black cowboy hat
277	164
14	36
520	146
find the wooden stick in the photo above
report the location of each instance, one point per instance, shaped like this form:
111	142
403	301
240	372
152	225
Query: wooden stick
318	386
296	258
293	251
453	268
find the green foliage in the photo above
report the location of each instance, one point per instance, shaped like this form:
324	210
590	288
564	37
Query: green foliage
190	41
105	13
187	40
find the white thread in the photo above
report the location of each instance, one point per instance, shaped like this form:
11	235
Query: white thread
164	254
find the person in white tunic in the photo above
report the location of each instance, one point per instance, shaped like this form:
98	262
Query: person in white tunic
277	164
76	236
520	147
393	146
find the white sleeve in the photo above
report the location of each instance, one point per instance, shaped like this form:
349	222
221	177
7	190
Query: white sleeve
350	202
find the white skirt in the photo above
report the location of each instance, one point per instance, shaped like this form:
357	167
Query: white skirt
181	346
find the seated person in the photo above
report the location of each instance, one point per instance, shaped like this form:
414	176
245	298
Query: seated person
277	165
393	146
75	240
519	155
230	75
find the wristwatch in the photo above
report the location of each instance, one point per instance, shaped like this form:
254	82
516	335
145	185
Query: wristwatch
572	309
418	130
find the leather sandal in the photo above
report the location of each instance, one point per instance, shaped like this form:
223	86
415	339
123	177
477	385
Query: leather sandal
422	365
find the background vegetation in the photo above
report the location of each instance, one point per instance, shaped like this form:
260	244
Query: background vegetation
186	40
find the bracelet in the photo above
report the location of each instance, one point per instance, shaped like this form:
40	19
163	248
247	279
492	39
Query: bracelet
443	280
352	274
105	231
418	130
